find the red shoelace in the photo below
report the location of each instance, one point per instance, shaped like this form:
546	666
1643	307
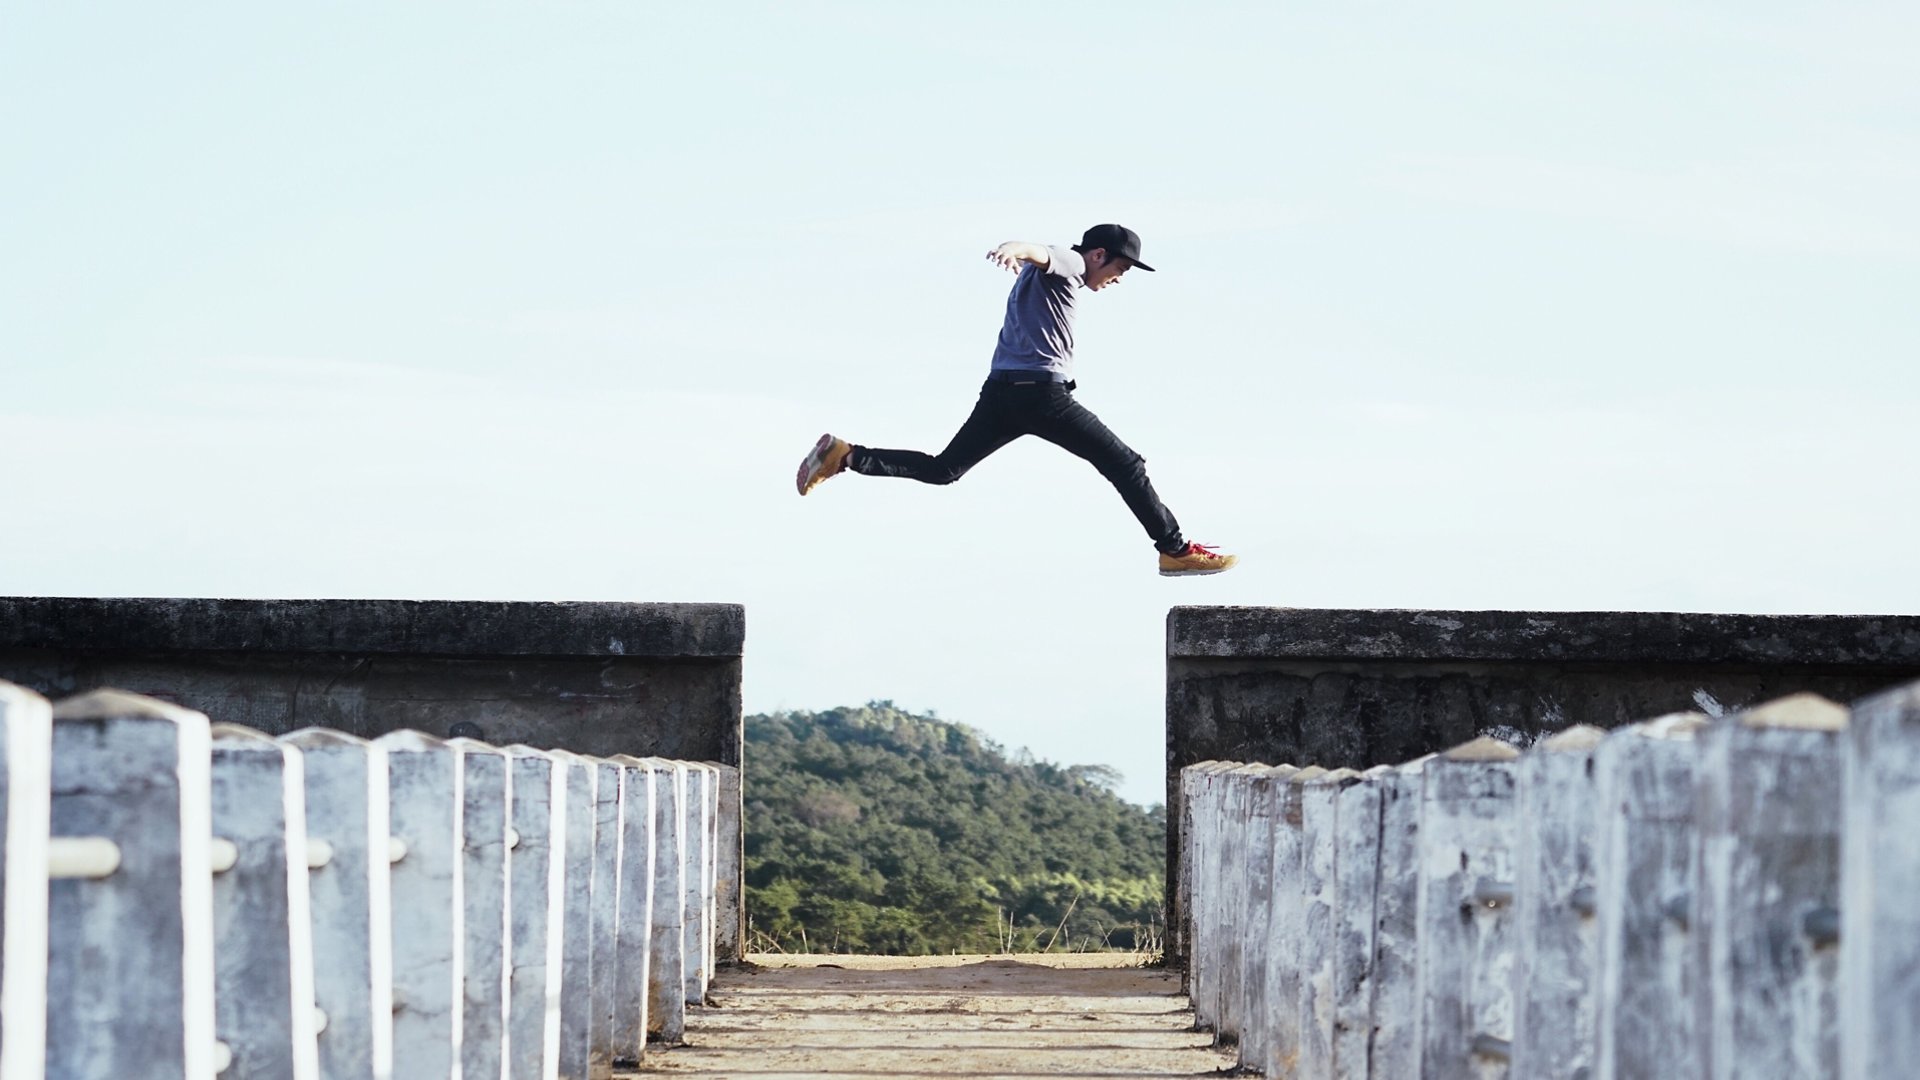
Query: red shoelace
1201	549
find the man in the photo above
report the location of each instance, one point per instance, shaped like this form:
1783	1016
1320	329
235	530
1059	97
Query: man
1029	391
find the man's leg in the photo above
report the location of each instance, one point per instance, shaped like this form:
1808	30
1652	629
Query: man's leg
987	429
1073	427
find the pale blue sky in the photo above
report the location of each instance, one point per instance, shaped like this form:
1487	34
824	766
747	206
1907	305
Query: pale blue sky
1476	305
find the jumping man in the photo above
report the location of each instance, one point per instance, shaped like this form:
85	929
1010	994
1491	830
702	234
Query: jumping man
1029	391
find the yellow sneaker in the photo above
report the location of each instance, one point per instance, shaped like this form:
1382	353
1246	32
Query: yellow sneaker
1196	559
828	456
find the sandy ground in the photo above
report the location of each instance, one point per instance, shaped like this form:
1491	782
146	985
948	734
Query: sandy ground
1081	1015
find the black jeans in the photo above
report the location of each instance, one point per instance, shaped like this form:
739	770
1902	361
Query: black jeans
1008	410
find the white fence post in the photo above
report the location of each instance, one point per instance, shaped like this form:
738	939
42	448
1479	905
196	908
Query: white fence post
1253	884
637	886
1880	921
130	955
609	790
1236	853
1767	893
1180	933
1356	877
1554	930
488	795
26	770
536	878
1203	924
578	777
1286	922
728	885
666	966
350	894
426	799
1318	919
1644	982
698	834
262	922
1466	888
1396	947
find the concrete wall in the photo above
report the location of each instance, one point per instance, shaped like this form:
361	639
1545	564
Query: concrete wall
648	680
1358	688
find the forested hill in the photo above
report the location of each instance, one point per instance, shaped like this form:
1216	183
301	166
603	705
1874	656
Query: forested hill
874	830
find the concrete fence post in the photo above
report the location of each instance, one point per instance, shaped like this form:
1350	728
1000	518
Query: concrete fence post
1879	920
1286	923
426	803
536	878
1466	893
1644	979
26	770
1554	931
1237	894
1356	879
1318	918
351	899
1203	929
629	958
698	831
262	920
729	900
1254	882
1180	928
609	792
666	963
1394	1049
1767	891
575	1033
130	955
488	796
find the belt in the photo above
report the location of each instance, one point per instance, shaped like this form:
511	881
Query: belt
1026	378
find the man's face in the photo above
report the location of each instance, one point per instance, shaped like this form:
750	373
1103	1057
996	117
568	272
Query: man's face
1104	269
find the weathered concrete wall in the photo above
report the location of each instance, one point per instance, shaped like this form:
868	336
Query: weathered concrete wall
601	679
1357	688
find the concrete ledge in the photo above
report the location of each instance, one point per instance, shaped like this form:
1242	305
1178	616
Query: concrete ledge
374	627
1601	637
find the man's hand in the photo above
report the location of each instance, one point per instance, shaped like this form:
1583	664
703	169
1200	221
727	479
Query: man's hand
1013	253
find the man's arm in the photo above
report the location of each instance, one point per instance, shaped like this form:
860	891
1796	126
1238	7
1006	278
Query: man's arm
1014	253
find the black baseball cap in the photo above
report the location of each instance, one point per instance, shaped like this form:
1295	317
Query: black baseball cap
1117	240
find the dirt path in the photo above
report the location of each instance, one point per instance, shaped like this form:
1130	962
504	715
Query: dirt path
1080	1015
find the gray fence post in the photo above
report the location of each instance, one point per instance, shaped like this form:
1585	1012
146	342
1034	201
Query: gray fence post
1203	923
426	800
1644	982
1180	929
536	878
1767	893
26	768
698	834
666	965
262	921
488	795
580	778
351	897
1318	920
1356	878
1252	885
630	956
1395	1049
609	791
1466	888
1554	931
729	928
1286	921
1879	921
1235	848
130	954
